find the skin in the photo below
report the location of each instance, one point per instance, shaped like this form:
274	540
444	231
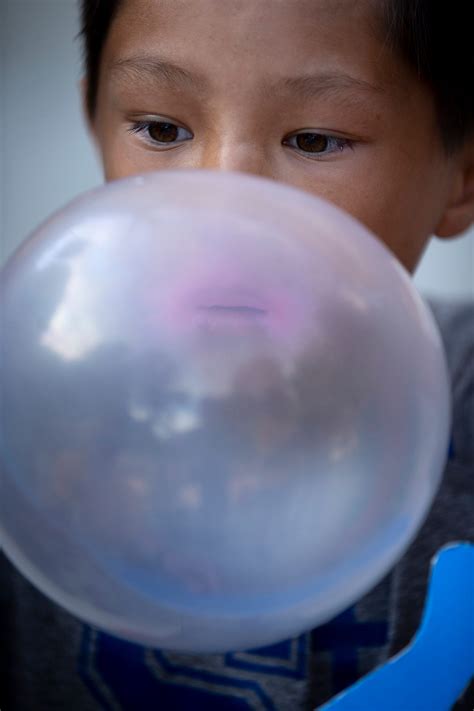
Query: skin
371	145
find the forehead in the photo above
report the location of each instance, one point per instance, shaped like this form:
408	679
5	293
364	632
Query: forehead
253	40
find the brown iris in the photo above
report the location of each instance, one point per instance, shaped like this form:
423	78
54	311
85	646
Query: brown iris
163	132
312	142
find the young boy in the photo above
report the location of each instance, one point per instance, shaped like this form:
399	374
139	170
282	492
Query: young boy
367	103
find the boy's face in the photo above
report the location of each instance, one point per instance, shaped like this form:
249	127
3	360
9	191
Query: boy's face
301	91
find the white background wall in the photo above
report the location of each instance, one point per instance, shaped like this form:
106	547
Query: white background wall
46	155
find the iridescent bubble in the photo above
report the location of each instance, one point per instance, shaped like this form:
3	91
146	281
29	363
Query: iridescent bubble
225	410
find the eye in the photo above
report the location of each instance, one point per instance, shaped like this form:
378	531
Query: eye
161	133
317	144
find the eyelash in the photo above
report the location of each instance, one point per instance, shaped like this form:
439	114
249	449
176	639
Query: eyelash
338	144
142	127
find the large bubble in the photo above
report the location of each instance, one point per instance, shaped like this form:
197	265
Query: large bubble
225	410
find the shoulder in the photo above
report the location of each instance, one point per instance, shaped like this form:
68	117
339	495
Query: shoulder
455	320
450	517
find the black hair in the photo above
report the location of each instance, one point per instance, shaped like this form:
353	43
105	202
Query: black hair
432	36
435	38
96	18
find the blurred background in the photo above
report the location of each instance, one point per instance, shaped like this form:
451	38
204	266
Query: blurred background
46	157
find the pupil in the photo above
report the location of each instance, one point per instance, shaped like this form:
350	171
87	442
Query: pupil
312	142
164	132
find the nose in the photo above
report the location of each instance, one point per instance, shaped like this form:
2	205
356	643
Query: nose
228	152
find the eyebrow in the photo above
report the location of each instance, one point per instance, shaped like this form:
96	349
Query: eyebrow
157	69
314	86
304	87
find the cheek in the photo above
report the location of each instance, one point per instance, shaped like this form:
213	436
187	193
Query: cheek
396	224
387	207
403	231
117	159
393	185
